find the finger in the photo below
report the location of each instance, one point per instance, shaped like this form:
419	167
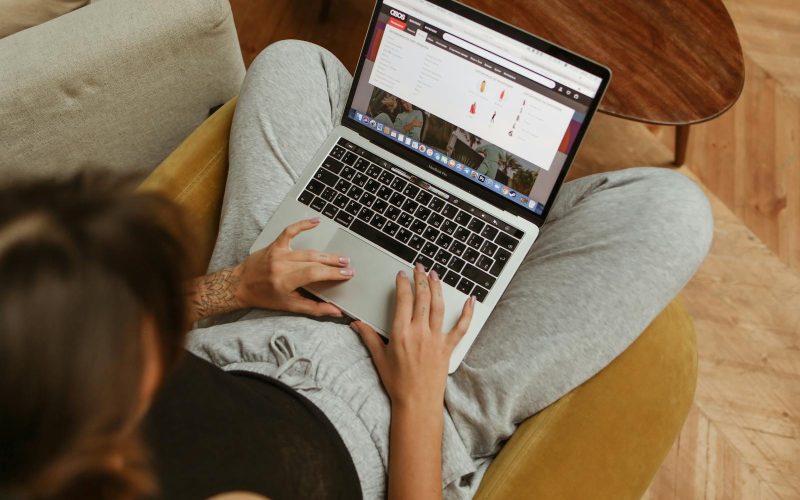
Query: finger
437	302
422	295
372	340
458	331
293	230
314	273
302	305
404	303
330	259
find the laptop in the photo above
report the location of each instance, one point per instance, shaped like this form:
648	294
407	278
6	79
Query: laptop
457	134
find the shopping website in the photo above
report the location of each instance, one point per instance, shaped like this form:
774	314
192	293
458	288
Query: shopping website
468	105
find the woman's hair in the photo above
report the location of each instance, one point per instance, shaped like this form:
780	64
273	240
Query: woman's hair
84	263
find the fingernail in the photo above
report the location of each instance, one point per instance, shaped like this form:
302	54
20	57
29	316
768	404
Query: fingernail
347	272
472	300
314	220
354	326
402	274
419	267
434	276
344	260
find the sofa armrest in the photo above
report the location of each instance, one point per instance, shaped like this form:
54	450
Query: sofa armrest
194	177
607	438
116	84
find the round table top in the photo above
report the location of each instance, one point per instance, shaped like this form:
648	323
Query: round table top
674	62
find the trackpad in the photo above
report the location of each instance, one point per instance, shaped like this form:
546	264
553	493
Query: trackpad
370	294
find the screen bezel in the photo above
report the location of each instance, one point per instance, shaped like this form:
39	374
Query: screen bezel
496	199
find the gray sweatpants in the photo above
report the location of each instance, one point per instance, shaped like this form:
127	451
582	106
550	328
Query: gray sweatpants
615	250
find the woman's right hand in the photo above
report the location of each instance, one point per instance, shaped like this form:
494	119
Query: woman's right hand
413	365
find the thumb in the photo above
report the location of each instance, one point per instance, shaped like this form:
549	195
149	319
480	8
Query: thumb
372	340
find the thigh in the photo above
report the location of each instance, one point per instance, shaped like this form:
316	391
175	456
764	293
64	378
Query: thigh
293	95
616	249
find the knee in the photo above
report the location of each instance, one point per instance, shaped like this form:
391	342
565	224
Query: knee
679	208
296	53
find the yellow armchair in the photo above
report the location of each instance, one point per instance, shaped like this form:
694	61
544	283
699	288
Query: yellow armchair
604	440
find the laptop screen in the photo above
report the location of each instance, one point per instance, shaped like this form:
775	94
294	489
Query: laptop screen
490	108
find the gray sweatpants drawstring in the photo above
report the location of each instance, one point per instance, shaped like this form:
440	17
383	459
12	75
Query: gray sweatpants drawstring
285	358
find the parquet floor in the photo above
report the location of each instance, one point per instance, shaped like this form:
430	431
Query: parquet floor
742	437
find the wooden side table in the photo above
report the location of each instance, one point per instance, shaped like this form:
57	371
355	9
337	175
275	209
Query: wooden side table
675	62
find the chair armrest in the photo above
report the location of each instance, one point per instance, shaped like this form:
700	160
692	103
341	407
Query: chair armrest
607	438
194	177
116	84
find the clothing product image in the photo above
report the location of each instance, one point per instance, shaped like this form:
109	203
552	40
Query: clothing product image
614	251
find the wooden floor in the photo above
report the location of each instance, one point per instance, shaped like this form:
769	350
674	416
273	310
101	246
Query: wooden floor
742	437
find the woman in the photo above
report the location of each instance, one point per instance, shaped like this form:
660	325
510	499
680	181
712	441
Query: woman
617	247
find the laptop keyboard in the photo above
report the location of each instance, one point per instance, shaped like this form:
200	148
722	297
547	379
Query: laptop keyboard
410	219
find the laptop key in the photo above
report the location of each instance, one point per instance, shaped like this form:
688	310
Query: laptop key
315	186
342	186
465	286
475	241
405	219
348	173
397	199
410	206
416	242
488	248
430	234
449	211
457	247
449	227
340	201
344	218
318	204
461	234
391	228
333	165
328	194
452	278
436	220
426	262
422	212
392	212
476	225
398	184
384	192
440	269
442	256
349	158
436	204
411	190
404	235
367	199
471	255
386	177
480	293
355	192
326	177
378	221
418	227
353	208
360	179
362	164
444	240
483	279
389	244
337	152
489	232
424	197
506	241
484	263
429	249
380	206
330	211
462	218
500	259
365	214
456	264
305	197
374	171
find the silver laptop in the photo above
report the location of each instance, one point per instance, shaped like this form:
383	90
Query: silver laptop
456	136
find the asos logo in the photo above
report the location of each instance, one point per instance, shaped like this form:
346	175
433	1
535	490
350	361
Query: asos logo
398	15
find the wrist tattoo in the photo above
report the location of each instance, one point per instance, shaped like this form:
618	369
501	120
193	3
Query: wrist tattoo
214	294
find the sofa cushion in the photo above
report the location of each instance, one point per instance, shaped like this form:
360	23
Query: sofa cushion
17	15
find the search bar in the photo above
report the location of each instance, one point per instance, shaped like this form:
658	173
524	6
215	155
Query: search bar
499	60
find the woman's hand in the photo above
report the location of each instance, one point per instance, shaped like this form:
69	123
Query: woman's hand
269	279
413	366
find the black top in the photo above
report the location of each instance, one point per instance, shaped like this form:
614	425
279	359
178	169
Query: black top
211	432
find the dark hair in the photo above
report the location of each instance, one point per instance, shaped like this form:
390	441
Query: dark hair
83	263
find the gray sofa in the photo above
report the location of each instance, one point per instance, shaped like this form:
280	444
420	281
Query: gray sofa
116	84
